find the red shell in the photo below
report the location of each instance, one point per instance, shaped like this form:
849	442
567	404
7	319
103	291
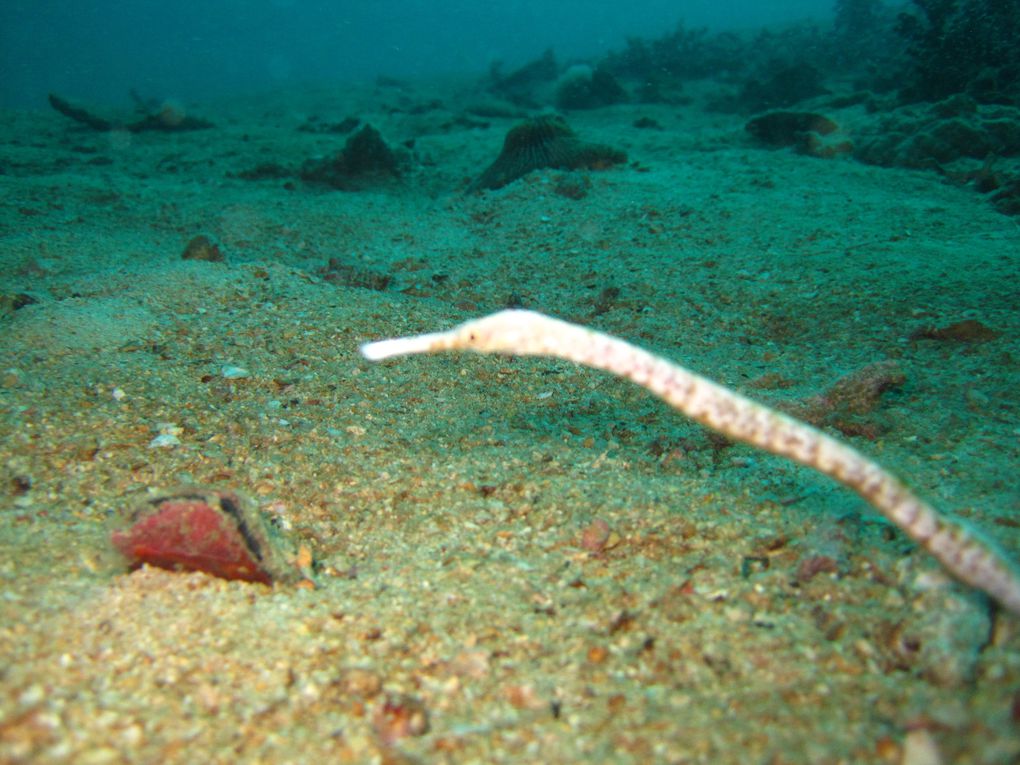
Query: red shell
192	534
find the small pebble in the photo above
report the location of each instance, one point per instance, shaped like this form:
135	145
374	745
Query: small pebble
919	748
32	695
595	536
166	437
234	373
164	441
399	717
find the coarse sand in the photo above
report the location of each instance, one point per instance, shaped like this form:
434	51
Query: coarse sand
515	560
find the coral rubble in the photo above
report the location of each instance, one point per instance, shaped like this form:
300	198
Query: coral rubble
168	118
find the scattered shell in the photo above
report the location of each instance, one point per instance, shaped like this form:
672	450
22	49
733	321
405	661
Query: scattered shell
399	717
164	441
231	372
919	748
595	536
195	529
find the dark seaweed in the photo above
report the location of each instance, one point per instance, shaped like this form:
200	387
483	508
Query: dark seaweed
958	46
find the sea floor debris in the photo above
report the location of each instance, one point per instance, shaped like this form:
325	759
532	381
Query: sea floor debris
218	532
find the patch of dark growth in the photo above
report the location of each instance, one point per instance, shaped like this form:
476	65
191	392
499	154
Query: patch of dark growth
865	45
804	131
779	85
662	64
315	125
967	142
583	87
962	46
519	85
264	171
169	117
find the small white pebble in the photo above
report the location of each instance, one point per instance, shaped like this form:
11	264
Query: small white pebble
919	748
32	695
164	441
234	373
99	756
132	736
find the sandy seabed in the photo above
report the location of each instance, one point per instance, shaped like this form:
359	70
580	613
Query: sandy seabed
515	560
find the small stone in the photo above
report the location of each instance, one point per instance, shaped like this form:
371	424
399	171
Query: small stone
99	756
919	748
167	435
231	372
595	536
164	441
33	695
399	717
12	378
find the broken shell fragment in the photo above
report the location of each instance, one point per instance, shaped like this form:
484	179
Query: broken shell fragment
398	717
218	532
